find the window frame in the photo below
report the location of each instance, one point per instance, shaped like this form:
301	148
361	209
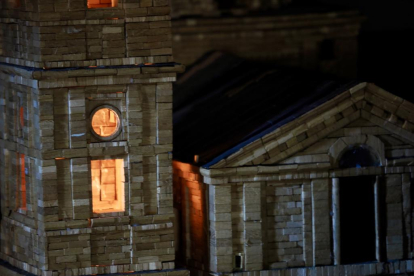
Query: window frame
118	2
21	196
121	192
119	123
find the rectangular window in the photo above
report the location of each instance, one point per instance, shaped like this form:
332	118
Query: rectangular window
12	4
19	116
95	4
108	192
22	188
357	219
20	124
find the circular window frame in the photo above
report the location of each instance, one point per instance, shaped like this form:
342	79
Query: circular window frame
119	126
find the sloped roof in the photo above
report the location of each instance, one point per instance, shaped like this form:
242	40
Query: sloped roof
223	103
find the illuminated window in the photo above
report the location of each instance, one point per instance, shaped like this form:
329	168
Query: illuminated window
21	121
94	4
14	4
21	116
108	186
105	123
22	187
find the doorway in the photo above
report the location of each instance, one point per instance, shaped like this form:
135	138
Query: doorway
357	219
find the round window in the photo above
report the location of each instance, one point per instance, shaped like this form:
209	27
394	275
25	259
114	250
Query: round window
105	122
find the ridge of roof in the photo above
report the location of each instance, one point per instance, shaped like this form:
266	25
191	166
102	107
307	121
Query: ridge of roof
223	103
277	125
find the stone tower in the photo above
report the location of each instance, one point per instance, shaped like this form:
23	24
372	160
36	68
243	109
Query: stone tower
86	136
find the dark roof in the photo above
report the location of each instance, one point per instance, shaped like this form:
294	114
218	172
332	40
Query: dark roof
222	103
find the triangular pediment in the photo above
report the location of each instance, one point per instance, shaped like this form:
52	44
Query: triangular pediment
360	131
362	110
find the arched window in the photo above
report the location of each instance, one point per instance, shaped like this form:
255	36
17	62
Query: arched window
358	156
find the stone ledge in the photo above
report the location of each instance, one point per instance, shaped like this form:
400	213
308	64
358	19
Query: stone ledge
7	269
399	267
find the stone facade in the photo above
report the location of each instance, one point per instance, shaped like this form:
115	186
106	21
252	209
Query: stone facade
208	8
274	206
60	62
322	41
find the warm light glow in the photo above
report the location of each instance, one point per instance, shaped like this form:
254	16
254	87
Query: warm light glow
105	122
94	4
108	186
21	116
23	204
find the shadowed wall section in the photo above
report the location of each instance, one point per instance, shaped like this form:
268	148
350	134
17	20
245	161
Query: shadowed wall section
190	201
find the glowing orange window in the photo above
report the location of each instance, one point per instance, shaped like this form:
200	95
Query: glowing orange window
22	188
14	4
105	123
21	116
94	4
108	194
21	121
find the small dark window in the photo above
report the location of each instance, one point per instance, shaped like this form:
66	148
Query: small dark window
358	157
238	262
327	49
226	4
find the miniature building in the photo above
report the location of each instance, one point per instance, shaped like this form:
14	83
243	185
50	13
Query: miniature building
86	136
278	169
209	8
294	33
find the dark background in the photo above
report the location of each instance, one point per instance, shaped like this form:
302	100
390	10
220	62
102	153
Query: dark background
386	43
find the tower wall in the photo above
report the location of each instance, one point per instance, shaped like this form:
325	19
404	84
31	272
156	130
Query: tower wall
60	62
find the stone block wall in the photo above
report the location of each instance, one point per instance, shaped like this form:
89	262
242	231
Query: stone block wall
237	218
298	222
297	40
59	62
285	225
393	201
69	34
153	246
321	222
58	222
381	268
185	8
191	205
282	215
